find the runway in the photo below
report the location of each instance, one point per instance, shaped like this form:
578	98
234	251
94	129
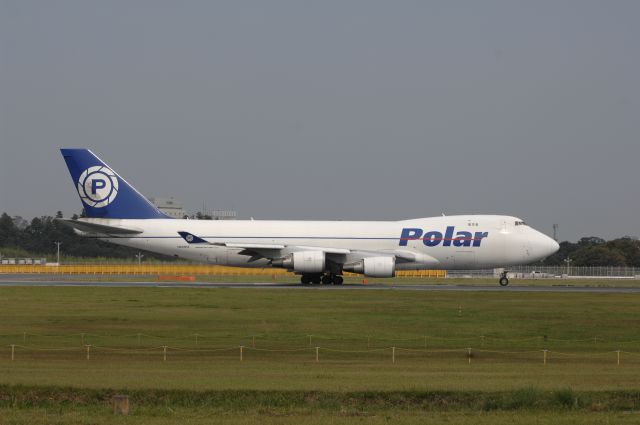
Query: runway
454	286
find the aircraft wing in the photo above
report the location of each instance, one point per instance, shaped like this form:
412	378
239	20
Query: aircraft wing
89	227
251	245
273	251
193	239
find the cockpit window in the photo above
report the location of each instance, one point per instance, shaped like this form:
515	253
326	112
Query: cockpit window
520	223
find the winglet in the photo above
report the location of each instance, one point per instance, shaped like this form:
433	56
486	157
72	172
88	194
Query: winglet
192	239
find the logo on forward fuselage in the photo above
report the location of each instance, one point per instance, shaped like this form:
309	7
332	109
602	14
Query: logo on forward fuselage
98	186
449	238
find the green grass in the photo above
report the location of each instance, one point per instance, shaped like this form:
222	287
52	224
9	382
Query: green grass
506	332
64	405
224	315
196	416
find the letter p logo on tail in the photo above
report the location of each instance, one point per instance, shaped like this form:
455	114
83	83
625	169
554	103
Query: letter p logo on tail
103	192
98	186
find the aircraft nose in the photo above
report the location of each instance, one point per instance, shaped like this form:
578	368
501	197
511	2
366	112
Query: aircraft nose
546	246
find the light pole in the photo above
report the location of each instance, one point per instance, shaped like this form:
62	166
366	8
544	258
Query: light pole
58	244
568	263
139	256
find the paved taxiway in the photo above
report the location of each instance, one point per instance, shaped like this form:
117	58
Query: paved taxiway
458	286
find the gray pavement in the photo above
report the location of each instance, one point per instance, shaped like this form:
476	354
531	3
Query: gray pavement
454	286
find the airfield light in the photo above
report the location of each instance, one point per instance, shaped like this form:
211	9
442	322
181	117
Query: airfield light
58	244
568	263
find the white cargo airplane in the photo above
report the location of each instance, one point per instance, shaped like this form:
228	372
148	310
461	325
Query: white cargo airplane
319	251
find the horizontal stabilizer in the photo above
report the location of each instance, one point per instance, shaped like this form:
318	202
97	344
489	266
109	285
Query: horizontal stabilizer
89	227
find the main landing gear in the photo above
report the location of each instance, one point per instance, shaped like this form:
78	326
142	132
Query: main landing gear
325	279
504	280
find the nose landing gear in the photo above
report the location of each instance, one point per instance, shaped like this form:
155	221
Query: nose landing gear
504	280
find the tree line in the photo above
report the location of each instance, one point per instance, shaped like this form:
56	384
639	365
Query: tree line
593	251
36	238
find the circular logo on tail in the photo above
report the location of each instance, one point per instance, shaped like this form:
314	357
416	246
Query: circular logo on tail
98	186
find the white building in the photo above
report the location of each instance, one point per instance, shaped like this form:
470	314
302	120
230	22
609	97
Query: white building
223	214
169	206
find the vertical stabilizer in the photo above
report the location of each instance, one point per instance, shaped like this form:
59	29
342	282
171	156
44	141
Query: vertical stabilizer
104	194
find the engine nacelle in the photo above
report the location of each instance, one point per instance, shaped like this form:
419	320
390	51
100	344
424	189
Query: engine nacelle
373	267
303	262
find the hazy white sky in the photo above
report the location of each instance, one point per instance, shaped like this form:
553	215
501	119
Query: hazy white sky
332	109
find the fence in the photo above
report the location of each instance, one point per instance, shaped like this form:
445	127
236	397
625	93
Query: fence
631	272
392	354
155	269
143	269
541	272
241	353
176	270
195	346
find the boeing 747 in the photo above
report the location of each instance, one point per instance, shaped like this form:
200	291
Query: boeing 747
318	251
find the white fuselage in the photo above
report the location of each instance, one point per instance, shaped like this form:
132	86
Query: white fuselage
437	242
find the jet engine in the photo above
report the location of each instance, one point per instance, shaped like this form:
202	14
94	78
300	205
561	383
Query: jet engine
302	262
373	267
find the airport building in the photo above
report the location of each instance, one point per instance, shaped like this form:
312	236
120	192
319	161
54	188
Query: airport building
223	215
170	206
174	208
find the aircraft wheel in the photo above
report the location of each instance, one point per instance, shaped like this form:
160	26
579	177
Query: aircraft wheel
337	280
504	281
316	280
326	280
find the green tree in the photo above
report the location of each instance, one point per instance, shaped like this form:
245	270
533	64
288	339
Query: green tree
630	248
598	255
557	259
8	231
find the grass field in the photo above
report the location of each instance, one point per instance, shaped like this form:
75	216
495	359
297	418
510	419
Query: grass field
355	379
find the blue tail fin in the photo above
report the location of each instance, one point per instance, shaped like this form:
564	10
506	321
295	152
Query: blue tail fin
103	192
